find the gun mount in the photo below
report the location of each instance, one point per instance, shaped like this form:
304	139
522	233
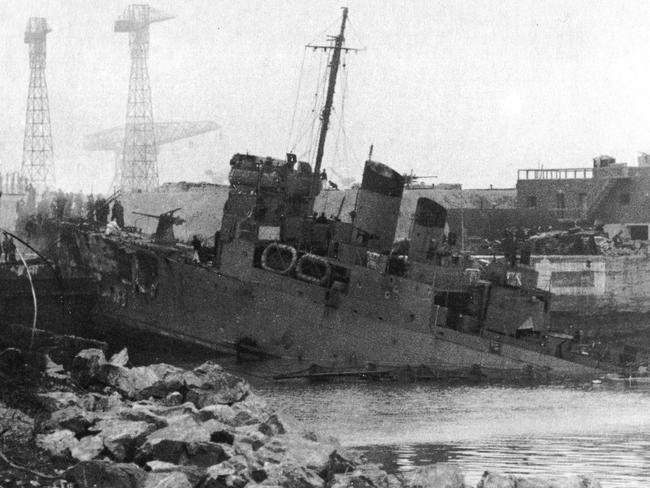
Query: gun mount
166	222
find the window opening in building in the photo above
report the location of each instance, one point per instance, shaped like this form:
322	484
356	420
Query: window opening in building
582	201
638	232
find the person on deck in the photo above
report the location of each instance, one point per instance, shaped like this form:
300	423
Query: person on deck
196	245
90	208
117	213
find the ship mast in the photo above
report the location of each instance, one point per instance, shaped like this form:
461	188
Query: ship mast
327	109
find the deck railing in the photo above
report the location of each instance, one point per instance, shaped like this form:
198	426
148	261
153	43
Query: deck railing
555	174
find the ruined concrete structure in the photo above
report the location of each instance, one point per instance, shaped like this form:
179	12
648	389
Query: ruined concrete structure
614	194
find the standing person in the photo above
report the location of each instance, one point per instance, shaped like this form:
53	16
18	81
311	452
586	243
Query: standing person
196	245
101	210
90	208
4	248
117	213
509	249
9	249
60	201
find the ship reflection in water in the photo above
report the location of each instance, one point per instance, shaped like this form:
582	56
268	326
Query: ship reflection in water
549	431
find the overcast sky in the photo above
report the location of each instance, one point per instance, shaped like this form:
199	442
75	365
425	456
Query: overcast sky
466	90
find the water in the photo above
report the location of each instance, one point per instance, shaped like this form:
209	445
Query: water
548	432
544	431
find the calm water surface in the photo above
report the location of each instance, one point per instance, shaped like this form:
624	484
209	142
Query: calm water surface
550	431
546	431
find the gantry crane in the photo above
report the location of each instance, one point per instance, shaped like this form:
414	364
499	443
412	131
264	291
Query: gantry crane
38	163
140	168
164	133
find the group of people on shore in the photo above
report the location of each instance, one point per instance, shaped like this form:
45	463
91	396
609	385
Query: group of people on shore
515	243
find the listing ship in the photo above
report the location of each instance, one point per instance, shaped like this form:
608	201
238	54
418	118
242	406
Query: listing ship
285	283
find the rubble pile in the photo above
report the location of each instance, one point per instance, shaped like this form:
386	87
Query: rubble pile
577	241
161	426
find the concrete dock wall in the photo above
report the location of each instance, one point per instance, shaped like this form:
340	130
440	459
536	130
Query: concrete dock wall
596	284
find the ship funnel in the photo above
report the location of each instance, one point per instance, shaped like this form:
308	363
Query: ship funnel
428	226
377	208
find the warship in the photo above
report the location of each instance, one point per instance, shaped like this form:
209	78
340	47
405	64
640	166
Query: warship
331	297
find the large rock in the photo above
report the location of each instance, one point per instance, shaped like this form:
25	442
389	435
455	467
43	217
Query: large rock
57	400
171	410
170	380
165	450
440	475
185	428
577	482
86	365
120	358
205	454
58	443
226	475
209	384
128	381
249	436
289	474
94	402
367	476
175	479
106	474
353	480
88	448
301	451
73	418
252	410
193	473
273	425
222	413
142	413
337	464
15	425
122	437
494	480
183	439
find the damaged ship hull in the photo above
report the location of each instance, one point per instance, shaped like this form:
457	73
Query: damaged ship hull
272	316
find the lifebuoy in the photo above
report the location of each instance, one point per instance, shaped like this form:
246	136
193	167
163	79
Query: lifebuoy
314	269
279	258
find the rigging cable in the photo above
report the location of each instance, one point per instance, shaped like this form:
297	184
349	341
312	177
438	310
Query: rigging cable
31	284
318	102
295	105
308	120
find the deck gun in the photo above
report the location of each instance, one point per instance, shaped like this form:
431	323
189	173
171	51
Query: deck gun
166	222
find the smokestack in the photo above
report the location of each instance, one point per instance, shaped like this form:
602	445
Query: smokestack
377	208
428	223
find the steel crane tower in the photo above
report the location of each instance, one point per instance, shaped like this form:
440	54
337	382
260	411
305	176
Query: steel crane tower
164	132
38	162
140	168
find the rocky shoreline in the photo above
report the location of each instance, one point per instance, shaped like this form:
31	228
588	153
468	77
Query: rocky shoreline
100	423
